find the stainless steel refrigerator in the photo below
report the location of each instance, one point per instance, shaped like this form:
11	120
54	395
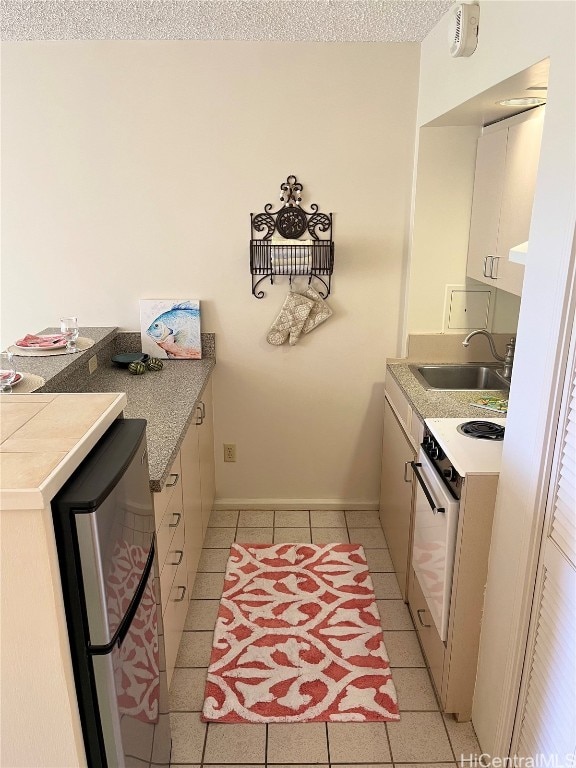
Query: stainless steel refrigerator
104	525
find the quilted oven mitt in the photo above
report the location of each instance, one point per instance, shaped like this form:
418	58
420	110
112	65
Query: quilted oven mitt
291	319
318	313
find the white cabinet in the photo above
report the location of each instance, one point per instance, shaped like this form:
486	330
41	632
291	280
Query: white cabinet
192	501
182	510
206	452
504	184
170	538
402	435
198	486
396	494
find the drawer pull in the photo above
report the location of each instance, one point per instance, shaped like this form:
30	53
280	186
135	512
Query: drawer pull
495	263
199	417
178	516
418	612
173	483
179	599
178	552
407	478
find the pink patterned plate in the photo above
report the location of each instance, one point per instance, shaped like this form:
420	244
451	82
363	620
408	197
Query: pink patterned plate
46	341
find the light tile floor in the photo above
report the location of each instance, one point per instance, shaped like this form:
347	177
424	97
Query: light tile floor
423	737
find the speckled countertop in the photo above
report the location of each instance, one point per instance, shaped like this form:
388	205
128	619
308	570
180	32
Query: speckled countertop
166	399
434	404
55	369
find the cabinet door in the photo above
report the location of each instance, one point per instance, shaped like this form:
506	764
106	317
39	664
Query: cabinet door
206	447
522	155
396	494
175	616
191	500
486	205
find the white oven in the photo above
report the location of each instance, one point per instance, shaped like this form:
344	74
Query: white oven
435	526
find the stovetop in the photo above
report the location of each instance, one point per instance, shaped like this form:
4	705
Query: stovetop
467	455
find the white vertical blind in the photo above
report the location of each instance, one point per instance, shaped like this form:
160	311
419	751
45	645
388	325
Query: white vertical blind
546	722
563	528
548	725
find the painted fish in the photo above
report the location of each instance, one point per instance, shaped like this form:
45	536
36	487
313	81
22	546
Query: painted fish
177	326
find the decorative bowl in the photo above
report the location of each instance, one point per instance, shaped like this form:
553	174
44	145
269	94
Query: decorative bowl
125	358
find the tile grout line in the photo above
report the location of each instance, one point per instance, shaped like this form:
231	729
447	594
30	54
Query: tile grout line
447	734
328	744
388	740
204	745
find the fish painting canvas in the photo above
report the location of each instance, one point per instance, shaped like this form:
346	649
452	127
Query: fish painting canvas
170	328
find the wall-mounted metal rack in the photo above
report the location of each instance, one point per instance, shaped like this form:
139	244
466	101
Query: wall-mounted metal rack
278	248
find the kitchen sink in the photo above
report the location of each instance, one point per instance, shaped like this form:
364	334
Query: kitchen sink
460	377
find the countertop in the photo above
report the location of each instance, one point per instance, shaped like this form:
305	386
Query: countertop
166	399
55	369
44	439
434	404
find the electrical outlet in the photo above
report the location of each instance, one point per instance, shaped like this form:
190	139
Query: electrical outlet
229	452
92	364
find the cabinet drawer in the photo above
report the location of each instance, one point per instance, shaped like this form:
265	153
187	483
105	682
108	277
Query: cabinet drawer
430	639
174	557
173	520
162	499
416	430
175	616
398	401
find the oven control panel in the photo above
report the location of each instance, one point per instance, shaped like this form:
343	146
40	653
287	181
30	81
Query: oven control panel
452	480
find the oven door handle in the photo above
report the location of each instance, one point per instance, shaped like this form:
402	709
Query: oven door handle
420	479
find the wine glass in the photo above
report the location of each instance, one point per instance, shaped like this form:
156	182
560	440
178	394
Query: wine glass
7	371
69	329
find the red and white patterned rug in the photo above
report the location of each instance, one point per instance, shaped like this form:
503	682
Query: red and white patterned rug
298	639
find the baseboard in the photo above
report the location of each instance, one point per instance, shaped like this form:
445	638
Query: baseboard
281	504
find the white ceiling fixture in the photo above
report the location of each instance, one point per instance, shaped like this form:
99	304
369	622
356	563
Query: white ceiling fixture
463	30
523	101
397	21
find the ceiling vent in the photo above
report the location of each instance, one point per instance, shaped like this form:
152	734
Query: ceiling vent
463	30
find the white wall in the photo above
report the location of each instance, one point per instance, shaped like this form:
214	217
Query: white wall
513	36
442	204
130	169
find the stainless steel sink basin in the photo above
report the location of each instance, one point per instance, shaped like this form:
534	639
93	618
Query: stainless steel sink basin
460	377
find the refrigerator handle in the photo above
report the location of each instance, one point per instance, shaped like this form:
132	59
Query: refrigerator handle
124	626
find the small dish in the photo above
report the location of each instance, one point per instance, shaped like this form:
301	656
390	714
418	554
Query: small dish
125	358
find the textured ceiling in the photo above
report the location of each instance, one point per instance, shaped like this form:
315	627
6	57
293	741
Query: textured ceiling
289	20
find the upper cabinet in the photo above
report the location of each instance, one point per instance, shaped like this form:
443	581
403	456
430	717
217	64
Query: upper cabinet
504	184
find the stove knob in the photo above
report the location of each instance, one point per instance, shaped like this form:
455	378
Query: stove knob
449	474
436	452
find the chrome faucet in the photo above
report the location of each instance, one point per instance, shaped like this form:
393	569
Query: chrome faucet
508	359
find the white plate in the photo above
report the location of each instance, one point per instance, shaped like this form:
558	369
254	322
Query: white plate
60	345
